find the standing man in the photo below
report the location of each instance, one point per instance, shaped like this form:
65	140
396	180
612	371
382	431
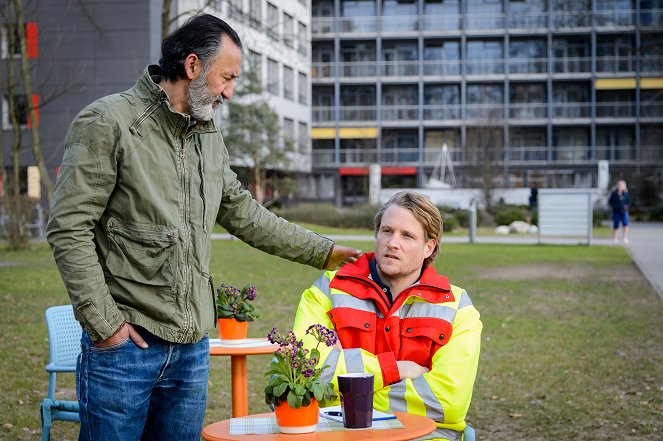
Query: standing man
619	202
398	319
144	178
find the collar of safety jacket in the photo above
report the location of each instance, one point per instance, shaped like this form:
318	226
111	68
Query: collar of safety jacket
151	93
432	287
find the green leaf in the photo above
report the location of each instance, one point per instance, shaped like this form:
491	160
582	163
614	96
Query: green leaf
294	400
280	389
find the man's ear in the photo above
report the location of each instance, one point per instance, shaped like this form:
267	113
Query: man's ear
192	66
430	247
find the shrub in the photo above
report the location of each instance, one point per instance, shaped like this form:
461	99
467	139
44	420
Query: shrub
450	222
328	215
656	213
505	214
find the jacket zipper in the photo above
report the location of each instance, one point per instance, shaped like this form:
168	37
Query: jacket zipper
187	240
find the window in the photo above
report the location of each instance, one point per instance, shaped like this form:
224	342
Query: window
255	13
288	130
302	38
272	76
235	9
288	30
21	109
302	88
272	21
255	65
31	41
302	137
288	83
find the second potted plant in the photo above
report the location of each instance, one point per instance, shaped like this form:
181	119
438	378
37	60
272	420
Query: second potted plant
234	312
294	385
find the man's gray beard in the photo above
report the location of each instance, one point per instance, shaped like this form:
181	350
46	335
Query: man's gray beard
200	100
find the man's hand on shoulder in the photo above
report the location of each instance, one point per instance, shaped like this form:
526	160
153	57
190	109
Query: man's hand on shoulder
341	255
123	332
410	369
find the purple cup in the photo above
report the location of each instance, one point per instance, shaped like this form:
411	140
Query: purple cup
356	391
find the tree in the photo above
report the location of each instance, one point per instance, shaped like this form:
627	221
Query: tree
485	151
253	134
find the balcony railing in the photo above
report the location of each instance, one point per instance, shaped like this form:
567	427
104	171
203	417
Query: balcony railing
528	154
572	110
528	65
650	63
615	110
496	66
484	67
322	114
651	109
484	112
357	113
616	64
616	153
359	69
528	110
442	67
400	113
436	112
488	21
475	155
571	153
400	68
572	65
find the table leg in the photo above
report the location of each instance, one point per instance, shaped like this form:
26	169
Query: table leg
240	386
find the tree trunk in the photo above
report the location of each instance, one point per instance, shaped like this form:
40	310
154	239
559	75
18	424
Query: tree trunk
27	87
259	184
165	18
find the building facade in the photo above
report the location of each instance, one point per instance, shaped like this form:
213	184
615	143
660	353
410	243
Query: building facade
521	92
276	40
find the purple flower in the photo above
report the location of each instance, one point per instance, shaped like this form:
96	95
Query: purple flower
251	292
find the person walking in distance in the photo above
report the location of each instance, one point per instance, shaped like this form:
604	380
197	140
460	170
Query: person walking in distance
619	202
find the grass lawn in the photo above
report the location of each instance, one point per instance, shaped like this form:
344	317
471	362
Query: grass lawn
572	343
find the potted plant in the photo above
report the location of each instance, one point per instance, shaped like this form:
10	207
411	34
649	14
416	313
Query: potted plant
234	312
294	386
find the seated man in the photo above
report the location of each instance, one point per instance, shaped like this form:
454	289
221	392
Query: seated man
398	319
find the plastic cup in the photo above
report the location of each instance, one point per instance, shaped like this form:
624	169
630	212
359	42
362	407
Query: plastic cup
356	391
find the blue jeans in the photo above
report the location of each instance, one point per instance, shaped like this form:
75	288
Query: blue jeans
127	393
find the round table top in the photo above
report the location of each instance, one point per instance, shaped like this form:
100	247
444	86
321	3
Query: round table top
415	426
251	346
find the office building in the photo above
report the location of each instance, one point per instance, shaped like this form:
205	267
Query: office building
522	92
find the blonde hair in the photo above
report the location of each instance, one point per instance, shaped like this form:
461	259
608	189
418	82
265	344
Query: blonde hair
423	210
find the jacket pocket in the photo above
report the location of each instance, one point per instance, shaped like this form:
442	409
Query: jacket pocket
422	337
142	253
355	328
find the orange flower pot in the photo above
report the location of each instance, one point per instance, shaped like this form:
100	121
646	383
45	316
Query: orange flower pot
302	420
231	331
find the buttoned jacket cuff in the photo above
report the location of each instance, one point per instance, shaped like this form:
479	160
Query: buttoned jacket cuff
390	373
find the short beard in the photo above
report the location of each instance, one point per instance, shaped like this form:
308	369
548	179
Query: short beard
201	101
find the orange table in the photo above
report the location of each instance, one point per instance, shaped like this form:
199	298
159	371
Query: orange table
240	385
415	426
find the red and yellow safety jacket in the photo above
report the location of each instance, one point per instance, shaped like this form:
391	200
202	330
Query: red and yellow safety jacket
431	323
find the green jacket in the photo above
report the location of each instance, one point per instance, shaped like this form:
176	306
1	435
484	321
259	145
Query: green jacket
137	196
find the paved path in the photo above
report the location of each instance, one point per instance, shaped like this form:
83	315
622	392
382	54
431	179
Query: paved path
645	248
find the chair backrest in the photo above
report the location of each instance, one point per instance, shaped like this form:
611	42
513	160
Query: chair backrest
64	336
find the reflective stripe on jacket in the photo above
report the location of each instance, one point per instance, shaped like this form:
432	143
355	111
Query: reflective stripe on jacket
139	191
431	323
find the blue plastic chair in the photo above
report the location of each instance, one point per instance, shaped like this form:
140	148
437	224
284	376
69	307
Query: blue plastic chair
468	434
64	342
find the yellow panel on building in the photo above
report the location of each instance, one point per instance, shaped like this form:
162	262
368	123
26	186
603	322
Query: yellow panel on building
614	83
357	132
323	133
651	83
